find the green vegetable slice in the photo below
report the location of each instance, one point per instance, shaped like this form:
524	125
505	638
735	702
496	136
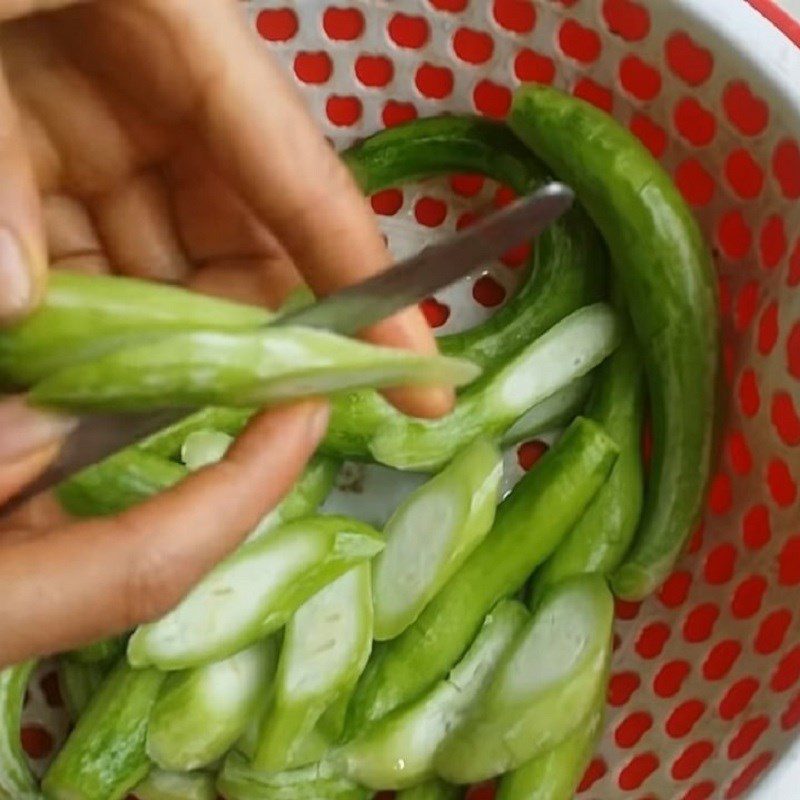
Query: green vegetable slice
16	780
161	785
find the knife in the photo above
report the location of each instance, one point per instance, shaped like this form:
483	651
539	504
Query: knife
346	312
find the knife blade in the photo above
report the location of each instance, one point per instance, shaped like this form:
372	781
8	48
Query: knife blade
346	312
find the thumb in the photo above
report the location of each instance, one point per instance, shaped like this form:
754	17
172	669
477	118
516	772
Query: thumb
23	253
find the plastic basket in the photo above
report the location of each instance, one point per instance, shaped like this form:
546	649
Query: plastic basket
705	693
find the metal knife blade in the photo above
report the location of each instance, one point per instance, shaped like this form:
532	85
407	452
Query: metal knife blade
346	311
357	307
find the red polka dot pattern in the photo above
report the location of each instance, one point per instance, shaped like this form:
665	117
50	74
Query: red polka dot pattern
691	62
517	16
695	122
408	32
639	79
434	82
277	24
343	24
313	68
627	19
721	659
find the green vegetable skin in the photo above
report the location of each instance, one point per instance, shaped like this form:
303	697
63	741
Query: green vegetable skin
432	790
432	533
241	368
254	592
556	774
530	523
118	310
546	686
600	540
160	785
201	713
79	683
325	648
565	353
566	272
397	752
239	781
104	757
16	781
664	269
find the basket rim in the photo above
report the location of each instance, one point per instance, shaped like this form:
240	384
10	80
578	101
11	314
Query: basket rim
779	17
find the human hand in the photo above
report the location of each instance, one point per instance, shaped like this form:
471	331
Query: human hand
138	140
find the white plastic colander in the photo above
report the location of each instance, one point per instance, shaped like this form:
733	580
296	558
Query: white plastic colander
705	692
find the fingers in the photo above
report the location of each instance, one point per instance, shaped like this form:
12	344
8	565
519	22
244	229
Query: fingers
23	257
247	281
13	9
92	579
72	242
273	152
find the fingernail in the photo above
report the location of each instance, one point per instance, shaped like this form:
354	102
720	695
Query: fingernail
318	421
16	289
23	429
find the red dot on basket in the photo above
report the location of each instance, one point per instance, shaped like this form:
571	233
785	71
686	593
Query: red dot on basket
632	728
594	772
781	484
652	136
793	278
700	791
786	167
746	305
517	256
793	351
621	687
745	177
396	113
739	452
691	759
747	777
639	78
670	678
696	540
430	211
695	183
466	219
52	690
747	736
408	31
387	202
531	66
699	624
772	242
453	6
276	24
785	418
530	452
746	111
627	19
436	313
738	697
720	659
791	717
720	494
504	196
675	589
749	396
651	639
626	609
694	122
467	185
492	99
579	43
787	673
772	631
688	60
789	562
474	47
748	597
343	24
36	741
768	329
488	292
374	71
720	564
518	16
756	529
313	68
735	237
684	717
594	93
637	771
434	82
481	791
343	111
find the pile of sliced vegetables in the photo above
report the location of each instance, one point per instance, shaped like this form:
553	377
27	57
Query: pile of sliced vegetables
326	659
